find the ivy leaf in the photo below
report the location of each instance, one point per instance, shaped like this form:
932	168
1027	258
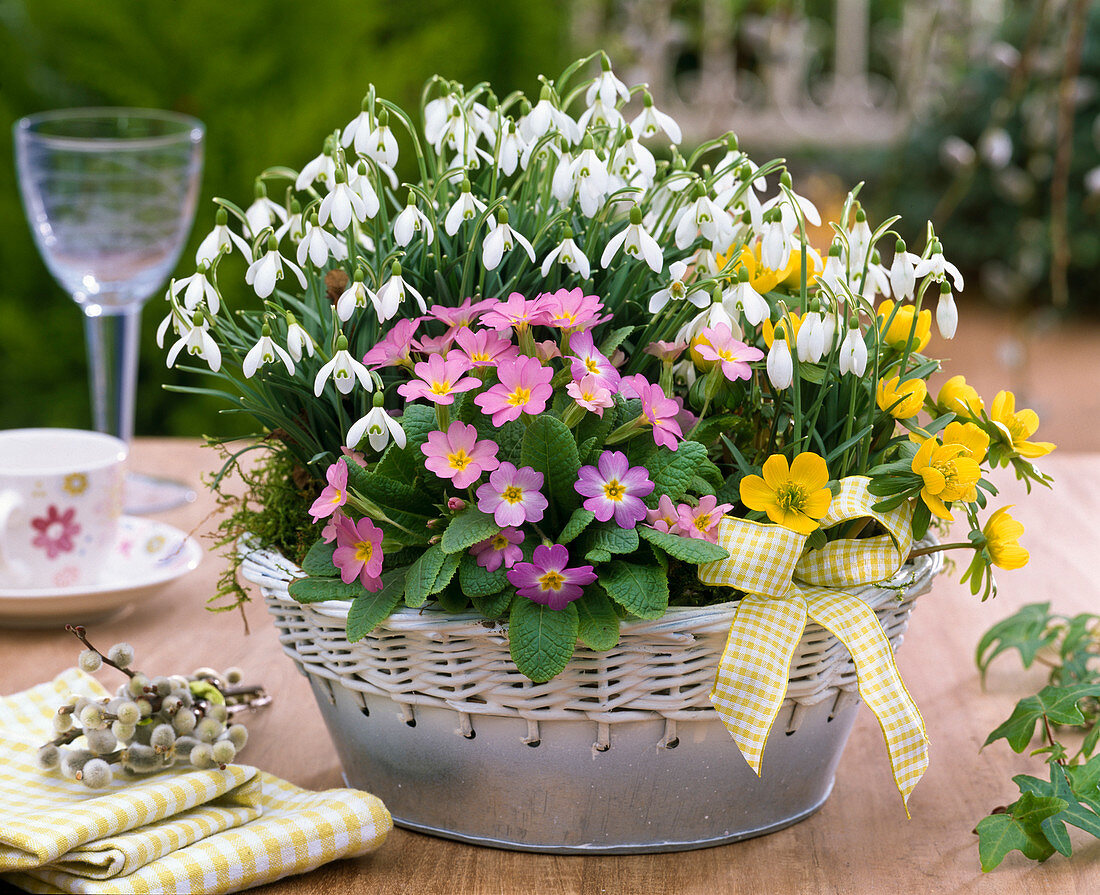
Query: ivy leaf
693	550
466	529
541	639
477	581
1059	704
1075	813
640	590
370	608
1020	827
494	605
318	561
549	448
1026	631
599	623
317	590
607	539
429	574
671	471
577	523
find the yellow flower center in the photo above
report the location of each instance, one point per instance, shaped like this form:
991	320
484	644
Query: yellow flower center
590	365
442	387
520	396
364	550
791	496
459	459
499	542
702	522
552	580
613	490
512	494
479	357
337	495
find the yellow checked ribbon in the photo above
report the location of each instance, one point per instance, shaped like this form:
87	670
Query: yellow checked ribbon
785	588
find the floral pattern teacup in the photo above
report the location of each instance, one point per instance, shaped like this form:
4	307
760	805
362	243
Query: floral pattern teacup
60	504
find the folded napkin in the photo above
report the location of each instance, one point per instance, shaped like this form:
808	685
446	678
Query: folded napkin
176	831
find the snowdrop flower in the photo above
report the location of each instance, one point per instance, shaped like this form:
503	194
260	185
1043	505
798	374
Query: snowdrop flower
355	297
437	114
263	212
511	148
834	272
650	121
546	116
359	181
380	145
264	352
591	180
357	130
903	277
317	244
378	426
633	161
600	114
676	290
859	239
775	242
636	242
947	315
939	267
411	221
853	351
341	205
343	369
741	297
703	216
538	151
176	320
466	208
805	207
294	225
568	253
712	316
197	342
320	168
220	240
605	86
197	289
563	184
298	341
503	239
392	294
878	279
780	366
810	341
266	270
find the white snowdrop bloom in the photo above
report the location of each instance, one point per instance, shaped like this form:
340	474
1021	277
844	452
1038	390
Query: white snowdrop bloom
859	240
343	369
318	244
294	225
176	320
342	205
359	181
903	277
606	87
650	121
267	269
741	297
197	289
546	116
675	290
733	169
600	114
810	341
636	242
780	365
775	243
320	168
356	297
436	115
358	130
511	148
853	353
378	426
264	352
503	239
563	184
712	316
263	212
220	240
568	253
633	162
393	292
805	207
485	121
703	217
467	207
939	267
381	144
298	341
834	272
947	315
410	222
196	340
591	181
878	280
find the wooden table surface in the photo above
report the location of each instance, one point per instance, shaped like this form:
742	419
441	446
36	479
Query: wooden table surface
859	842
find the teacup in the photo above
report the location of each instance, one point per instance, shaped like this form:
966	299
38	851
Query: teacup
60	503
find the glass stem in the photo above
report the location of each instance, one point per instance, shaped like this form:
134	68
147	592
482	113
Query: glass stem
112	341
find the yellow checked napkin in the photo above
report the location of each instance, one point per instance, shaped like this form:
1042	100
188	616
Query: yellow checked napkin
177	831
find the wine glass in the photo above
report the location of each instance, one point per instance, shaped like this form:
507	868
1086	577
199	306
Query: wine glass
110	195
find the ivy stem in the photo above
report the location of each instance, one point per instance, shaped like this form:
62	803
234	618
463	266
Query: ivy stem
1050	741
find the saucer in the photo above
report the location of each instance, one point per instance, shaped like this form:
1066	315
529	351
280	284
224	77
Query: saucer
147	555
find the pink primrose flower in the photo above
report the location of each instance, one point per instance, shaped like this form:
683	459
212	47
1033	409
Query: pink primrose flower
588	359
335	493
357	456
328	533
701	521
56	531
718	344
547	350
658	411
483	348
571	310
548	580
512	495
666	352
501	549
615	488
457	454
517	311
358	552
589	394
429	345
440	380
395	348
464	314
685	419
664	517
524	387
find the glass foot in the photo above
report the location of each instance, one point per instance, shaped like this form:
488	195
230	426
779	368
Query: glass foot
145	494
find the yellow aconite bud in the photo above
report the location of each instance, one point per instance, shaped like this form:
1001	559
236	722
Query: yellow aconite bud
896	335
959	398
901	401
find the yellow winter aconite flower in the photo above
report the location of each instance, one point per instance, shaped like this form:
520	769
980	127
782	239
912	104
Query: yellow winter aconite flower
792	324
1019	426
959	398
795	497
897	333
970	436
949	473
901	401
1002	534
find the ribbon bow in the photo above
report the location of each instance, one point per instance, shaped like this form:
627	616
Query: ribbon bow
783	589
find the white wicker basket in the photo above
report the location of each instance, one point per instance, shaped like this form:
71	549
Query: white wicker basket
634	719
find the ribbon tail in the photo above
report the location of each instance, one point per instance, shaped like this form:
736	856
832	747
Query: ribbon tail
754	670
855	625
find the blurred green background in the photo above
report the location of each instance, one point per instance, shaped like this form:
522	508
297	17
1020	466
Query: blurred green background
271	80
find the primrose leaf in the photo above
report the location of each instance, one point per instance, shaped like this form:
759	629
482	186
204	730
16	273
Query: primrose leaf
429	574
371	607
318	590
599	623
640	590
466	529
577	523
318	561
476	581
541	639
671	471
693	550
549	448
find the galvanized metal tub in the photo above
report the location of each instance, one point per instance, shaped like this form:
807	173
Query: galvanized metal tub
621	753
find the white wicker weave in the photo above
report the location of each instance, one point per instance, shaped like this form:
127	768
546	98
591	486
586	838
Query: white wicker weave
660	669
